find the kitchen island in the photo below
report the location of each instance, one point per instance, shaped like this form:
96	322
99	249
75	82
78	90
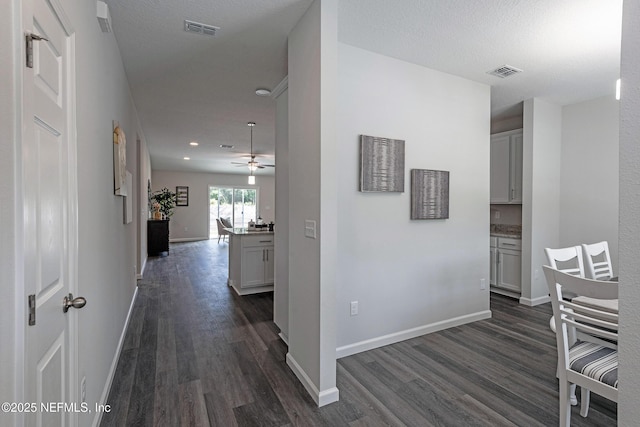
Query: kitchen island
251	268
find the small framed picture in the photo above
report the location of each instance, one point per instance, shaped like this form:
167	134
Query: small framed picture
381	164
429	194
182	196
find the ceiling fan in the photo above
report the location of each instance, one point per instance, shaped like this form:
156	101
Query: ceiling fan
253	164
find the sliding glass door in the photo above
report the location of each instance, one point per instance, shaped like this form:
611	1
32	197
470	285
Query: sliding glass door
238	205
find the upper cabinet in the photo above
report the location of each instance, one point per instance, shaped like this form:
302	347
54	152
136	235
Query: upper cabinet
506	167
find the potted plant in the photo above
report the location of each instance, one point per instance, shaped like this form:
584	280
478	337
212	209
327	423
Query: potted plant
165	201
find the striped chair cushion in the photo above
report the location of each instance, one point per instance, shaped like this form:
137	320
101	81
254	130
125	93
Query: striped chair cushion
595	361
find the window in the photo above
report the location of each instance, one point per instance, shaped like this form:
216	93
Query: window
240	205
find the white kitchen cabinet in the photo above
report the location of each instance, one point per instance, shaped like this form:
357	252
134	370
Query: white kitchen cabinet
493	261
509	270
251	266
506	167
506	264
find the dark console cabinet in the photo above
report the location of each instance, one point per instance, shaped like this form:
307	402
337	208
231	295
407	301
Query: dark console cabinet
157	236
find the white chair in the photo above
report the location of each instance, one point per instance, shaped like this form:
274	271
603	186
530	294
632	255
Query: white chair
597	261
568	260
221	230
592	364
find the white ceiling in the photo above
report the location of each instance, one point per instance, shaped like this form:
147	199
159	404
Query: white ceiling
189	87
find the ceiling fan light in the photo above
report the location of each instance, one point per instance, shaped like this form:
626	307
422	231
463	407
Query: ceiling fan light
252	179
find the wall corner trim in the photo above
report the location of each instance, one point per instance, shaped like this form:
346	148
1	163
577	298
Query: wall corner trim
280	88
321	398
370	344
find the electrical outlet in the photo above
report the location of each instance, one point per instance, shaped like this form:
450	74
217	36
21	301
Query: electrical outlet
83	389
186	229
497	215
354	308
483	285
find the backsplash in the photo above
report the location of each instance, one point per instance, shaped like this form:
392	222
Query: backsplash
506	229
507	214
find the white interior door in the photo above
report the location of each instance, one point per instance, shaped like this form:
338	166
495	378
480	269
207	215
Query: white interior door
50	208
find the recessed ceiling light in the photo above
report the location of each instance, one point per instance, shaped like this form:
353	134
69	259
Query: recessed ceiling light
187	158
263	92
195	144
226	146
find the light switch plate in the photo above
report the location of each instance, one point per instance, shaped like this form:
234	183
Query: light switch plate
310	228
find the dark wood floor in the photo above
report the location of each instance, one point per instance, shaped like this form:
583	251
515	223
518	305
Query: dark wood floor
196	354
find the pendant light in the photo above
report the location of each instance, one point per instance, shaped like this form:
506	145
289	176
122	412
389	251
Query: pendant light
252	163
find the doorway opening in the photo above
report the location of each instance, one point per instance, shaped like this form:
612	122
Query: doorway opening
236	204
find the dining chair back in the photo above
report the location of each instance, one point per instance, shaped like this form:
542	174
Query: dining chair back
592	364
568	260
597	261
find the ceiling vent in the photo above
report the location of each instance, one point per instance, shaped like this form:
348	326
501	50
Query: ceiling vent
504	71
198	28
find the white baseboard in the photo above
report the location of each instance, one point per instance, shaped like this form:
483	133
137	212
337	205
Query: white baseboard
395	337
249	291
320	397
144	265
505	292
535	301
187	239
284	338
114	363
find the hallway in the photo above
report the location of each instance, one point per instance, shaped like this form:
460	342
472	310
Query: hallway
196	354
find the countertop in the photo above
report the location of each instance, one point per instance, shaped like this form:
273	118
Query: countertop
504	230
245	231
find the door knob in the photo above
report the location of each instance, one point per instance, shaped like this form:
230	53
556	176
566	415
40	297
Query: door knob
69	301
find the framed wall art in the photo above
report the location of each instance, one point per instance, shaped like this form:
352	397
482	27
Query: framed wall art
429	194
119	160
182	196
381	164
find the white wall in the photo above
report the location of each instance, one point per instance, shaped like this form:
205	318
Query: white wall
312	190
410	277
10	332
629	374
106	246
195	217
542	134
589	174
281	244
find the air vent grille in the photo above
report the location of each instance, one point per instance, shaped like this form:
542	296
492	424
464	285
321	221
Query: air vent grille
199	28
504	71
